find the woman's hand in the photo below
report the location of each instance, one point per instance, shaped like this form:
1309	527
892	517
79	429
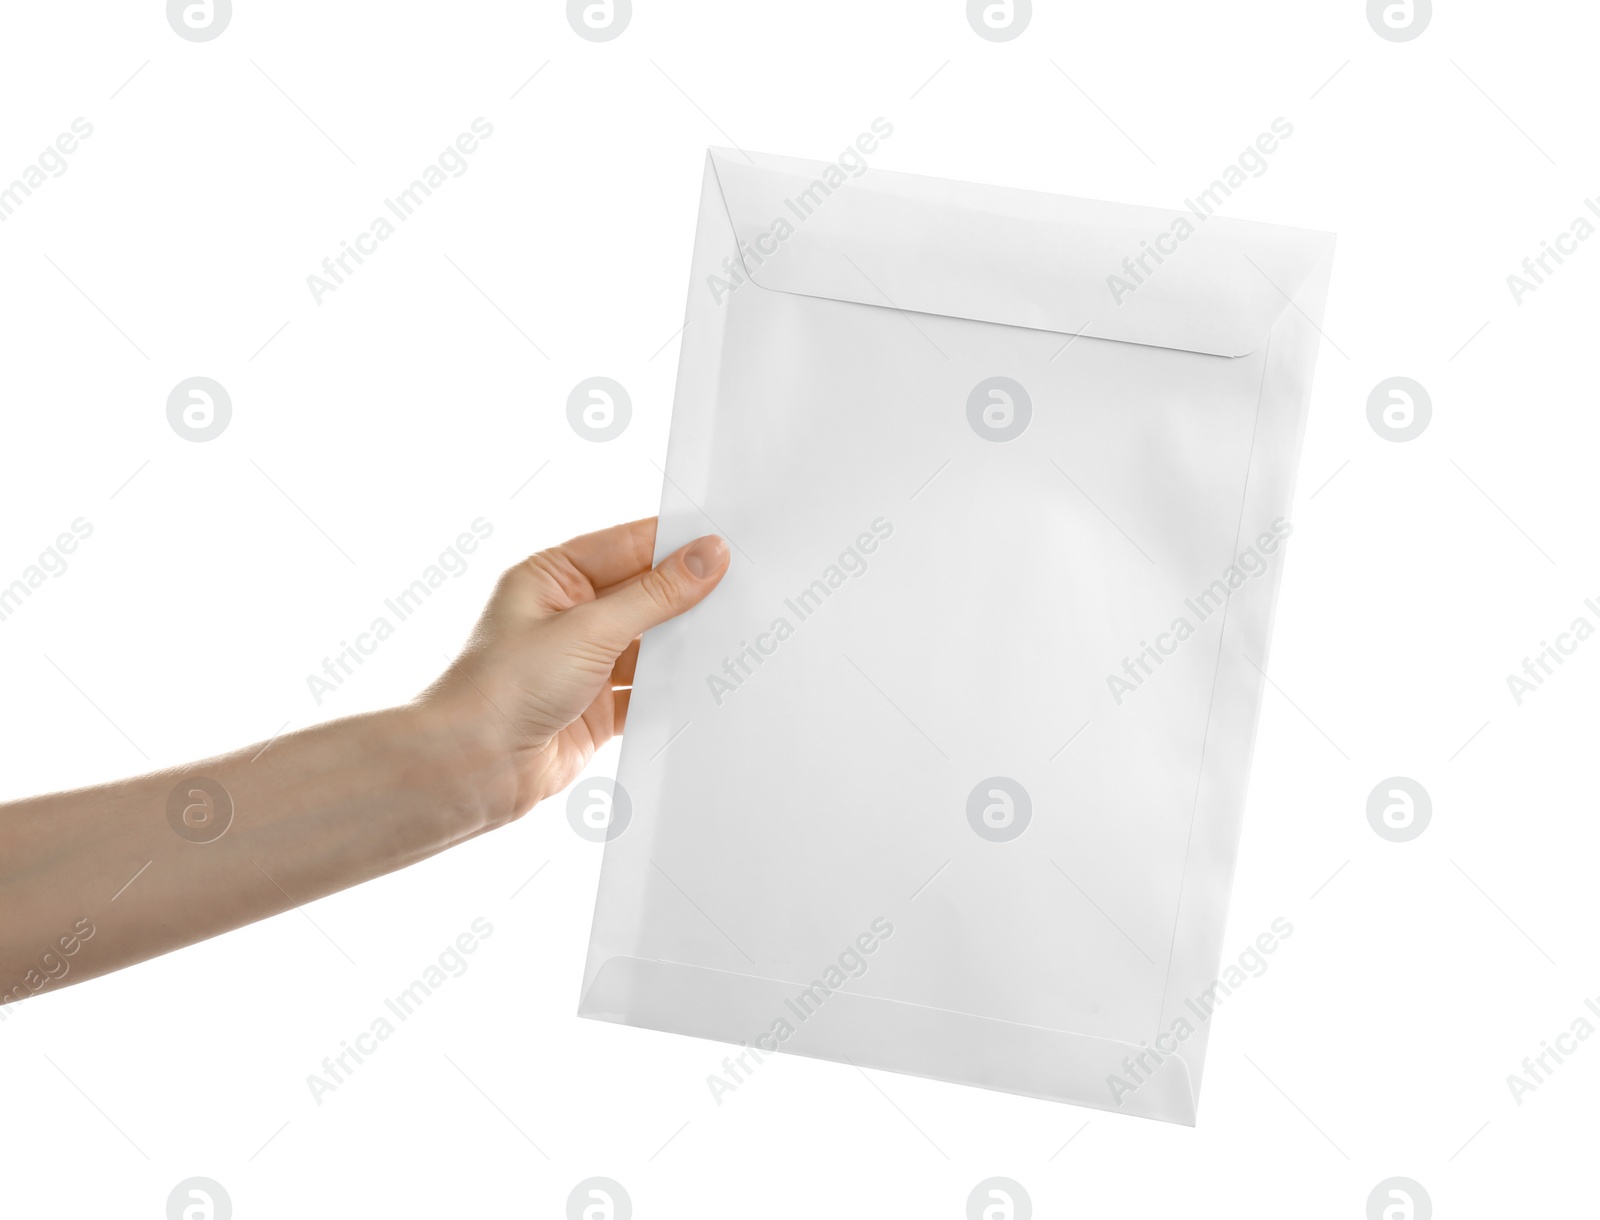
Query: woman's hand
544	681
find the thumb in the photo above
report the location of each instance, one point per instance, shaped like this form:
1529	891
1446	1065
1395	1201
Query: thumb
676	584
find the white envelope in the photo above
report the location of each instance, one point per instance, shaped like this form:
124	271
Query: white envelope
947	776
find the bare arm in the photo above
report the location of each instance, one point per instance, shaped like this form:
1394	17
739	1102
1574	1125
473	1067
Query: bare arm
101	878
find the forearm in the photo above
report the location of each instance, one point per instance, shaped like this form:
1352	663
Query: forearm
100	878
143	871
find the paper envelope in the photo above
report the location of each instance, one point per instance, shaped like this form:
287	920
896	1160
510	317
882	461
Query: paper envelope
947	776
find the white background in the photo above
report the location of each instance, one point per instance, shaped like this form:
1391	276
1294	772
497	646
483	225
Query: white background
371	429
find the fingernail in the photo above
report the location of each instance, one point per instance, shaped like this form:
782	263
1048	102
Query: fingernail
705	556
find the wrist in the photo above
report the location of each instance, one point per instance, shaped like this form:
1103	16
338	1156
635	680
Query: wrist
466	761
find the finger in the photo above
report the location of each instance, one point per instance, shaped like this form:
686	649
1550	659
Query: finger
619	710
676	584
611	556
622	672
602	590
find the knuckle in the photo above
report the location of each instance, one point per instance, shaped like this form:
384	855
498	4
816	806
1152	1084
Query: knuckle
659	589
554	576
547	565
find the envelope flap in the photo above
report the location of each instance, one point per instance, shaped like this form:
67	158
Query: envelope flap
1187	279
